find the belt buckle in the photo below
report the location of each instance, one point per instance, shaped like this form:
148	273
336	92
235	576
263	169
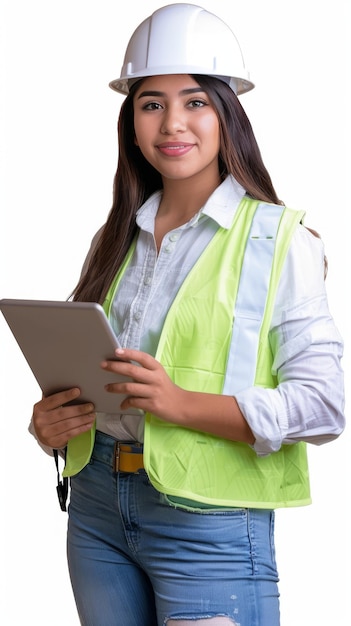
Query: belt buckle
118	450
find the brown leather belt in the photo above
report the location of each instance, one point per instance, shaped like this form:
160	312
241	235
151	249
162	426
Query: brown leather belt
128	457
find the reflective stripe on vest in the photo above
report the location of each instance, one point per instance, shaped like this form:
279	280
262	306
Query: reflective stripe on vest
251	298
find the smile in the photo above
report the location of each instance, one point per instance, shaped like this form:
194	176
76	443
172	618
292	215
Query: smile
174	149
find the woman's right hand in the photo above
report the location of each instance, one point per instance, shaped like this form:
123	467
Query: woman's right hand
55	424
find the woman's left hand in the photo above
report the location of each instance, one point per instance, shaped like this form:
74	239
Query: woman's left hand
151	389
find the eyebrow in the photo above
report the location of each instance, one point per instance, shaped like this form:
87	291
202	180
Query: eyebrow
162	94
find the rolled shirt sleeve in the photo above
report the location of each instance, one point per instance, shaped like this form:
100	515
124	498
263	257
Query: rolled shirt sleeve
308	403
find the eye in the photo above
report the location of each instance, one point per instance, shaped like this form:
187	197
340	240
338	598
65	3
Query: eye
151	106
197	104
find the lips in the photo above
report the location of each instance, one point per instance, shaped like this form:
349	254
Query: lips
174	149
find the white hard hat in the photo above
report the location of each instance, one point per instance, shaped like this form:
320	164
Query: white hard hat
183	39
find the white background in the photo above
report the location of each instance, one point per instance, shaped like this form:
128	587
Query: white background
58	155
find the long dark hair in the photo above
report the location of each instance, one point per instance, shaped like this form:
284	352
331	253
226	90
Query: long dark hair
135	180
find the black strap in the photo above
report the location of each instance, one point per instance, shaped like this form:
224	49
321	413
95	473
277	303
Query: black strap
62	485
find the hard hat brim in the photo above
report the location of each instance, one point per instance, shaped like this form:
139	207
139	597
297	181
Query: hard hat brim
239	85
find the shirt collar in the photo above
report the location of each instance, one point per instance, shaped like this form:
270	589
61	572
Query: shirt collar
221	206
223	203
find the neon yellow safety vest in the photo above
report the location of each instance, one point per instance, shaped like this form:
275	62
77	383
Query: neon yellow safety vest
215	340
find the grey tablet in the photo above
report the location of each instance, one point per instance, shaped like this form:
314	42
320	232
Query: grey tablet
64	344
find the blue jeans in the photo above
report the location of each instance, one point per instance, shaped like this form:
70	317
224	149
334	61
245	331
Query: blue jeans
137	559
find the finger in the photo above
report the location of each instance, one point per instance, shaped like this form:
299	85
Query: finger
142	358
65	413
133	363
132	389
58	399
57	435
126	368
44	417
73	425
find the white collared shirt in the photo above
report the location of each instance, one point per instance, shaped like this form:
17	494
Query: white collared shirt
308	402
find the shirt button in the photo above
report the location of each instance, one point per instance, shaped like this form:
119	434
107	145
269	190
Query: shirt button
137	316
168	249
174	237
147	280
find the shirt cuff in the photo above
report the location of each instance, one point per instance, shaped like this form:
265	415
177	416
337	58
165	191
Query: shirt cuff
259	407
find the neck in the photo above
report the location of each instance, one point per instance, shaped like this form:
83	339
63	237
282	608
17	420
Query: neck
186	197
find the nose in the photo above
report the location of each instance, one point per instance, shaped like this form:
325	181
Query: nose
173	120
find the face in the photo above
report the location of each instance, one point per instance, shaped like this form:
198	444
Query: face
177	128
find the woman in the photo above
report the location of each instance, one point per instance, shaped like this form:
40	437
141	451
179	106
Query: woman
217	292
